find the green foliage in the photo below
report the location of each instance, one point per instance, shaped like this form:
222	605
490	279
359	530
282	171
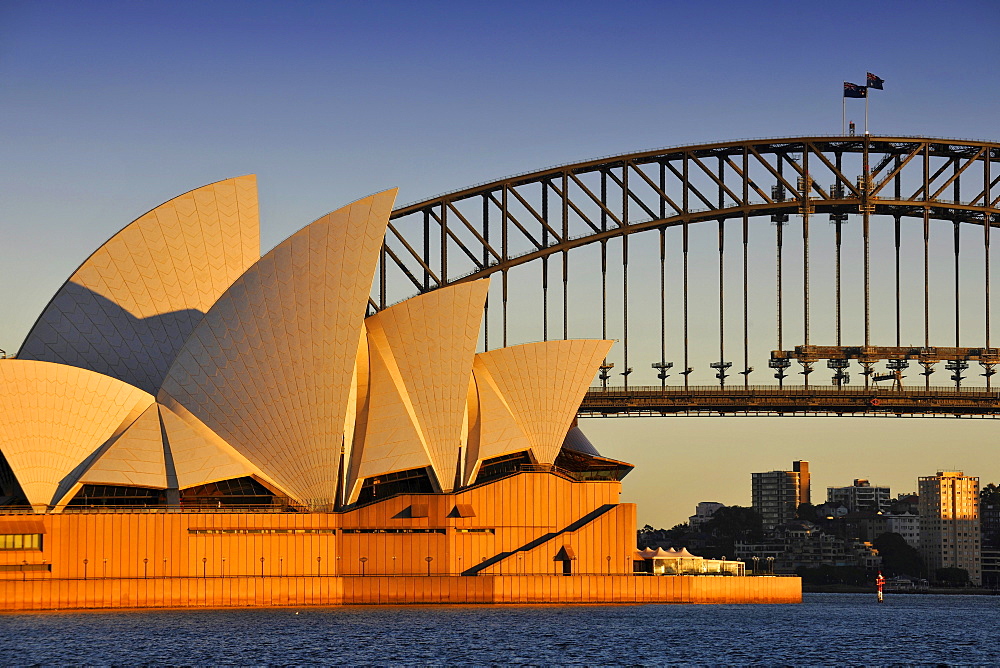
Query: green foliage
729	525
955	577
650	537
831	575
734	522
990	495
647	535
682	529
898	556
806	511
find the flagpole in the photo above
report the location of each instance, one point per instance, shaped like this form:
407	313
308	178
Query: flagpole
866	110
843	115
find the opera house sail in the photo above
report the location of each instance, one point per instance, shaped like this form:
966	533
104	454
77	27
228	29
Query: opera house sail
191	423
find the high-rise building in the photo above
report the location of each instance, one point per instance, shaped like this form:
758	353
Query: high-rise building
989	515
949	523
776	495
991	567
860	497
989	520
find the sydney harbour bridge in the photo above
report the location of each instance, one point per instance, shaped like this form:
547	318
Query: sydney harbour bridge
837	275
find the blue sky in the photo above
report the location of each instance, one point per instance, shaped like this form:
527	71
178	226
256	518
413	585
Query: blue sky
108	109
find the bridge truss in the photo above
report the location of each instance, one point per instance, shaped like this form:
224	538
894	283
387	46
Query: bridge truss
686	227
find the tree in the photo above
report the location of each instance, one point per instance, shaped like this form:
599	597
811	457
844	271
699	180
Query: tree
678	532
676	535
735	522
826	574
727	525
647	535
898	556
731	524
955	577
990	495
806	511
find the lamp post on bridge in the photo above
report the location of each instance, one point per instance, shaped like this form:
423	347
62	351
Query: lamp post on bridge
605	374
661	368
721	367
957	367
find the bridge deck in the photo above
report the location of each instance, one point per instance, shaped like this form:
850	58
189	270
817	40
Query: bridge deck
771	399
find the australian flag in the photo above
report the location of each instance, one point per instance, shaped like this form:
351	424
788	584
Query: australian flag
854	90
875	82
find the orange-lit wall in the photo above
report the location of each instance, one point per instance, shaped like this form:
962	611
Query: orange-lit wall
160	559
285	591
518	509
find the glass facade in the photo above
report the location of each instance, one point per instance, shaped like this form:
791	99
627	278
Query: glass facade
501	466
226	493
411	481
117	495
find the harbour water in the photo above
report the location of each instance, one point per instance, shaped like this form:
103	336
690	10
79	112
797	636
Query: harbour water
825	629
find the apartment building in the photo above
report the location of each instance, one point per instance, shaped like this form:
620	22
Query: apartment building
776	495
861	497
949	523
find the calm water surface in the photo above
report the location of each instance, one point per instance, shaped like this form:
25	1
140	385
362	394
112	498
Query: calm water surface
825	629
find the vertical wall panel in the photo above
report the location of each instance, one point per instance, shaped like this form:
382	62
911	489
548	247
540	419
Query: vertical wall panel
528	575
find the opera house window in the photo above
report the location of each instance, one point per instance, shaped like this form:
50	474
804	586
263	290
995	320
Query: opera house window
17	541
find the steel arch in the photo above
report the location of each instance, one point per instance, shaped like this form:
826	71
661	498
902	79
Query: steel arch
898	152
494	227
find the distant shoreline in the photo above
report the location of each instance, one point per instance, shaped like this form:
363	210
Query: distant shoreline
870	589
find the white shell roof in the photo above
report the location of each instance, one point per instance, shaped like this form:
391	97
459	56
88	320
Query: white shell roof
269	368
130	307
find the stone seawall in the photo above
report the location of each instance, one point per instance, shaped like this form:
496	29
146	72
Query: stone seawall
248	591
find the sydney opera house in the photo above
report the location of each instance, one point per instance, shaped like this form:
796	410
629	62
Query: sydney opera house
191	423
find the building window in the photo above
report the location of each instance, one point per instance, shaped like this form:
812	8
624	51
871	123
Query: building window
588	467
498	467
261	531
439	531
234	492
6	568
411	481
21	541
120	496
